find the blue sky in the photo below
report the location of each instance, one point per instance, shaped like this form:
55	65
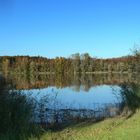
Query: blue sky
50	28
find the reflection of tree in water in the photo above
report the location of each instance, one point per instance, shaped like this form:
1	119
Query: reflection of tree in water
16	115
22	81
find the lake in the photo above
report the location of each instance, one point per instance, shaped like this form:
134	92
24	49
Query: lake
100	94
55	100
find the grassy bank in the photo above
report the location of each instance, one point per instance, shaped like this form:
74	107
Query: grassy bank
118	128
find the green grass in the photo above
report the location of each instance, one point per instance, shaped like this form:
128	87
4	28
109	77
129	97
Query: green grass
118	128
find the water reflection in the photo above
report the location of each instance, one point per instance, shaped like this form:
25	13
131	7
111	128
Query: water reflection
56	106
37	81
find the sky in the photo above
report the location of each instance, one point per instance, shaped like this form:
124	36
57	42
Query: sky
50	28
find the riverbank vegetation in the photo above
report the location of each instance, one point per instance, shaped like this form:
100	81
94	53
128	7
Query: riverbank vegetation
16	115
118	128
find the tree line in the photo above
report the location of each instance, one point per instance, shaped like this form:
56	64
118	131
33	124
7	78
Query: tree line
76	63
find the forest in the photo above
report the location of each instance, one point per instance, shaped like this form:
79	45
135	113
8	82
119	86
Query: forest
76	63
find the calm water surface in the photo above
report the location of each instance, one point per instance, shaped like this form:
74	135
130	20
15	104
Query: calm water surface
69	97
